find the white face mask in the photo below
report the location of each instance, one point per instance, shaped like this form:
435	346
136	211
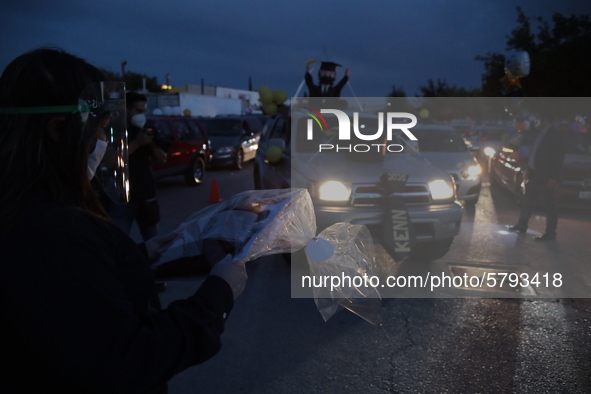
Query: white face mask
138	120
95	157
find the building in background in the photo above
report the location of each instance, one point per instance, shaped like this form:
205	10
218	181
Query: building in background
203	101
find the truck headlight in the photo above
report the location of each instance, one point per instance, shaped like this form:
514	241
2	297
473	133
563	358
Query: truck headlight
441	190
472	172
334	191
490	152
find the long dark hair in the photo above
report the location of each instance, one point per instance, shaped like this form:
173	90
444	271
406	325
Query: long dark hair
30	160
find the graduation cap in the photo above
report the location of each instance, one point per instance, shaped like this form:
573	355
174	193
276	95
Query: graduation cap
329	66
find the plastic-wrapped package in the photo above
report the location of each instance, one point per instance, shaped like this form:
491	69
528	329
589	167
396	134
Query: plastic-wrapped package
257	223
352	262
249	225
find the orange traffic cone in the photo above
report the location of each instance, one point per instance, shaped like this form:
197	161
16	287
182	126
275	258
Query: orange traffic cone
214	196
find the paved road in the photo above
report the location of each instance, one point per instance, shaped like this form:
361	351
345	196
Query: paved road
276	344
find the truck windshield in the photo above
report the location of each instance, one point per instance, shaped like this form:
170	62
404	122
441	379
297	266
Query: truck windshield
439	140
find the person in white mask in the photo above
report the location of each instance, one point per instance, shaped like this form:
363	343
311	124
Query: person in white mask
143	207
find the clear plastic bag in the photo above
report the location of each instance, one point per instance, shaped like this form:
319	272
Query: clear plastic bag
249	225
258	223
353	258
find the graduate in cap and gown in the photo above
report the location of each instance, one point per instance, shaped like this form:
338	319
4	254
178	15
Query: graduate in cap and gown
326	76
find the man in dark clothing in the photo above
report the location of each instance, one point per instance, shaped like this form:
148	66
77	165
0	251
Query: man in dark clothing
326	76
541	177
143	205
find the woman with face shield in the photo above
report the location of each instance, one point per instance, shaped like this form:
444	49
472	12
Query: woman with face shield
79	308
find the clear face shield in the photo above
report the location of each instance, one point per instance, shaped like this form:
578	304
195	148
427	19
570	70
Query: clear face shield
104	112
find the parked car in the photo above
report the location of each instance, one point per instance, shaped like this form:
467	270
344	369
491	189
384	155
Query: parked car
574	190
445	147
186	144
234	139
284	161
486	141
256	122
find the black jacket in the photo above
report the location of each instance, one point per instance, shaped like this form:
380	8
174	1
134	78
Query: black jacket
142	185
80	314
549	157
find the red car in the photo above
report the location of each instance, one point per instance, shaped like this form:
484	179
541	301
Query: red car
186	144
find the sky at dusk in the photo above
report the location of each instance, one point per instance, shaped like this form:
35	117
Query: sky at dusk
383	42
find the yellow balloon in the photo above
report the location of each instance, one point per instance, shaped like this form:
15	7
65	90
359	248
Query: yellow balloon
265	95
264	89
279	96
274	154
270	109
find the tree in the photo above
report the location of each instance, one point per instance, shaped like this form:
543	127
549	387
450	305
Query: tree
110	75
494	69
433	89
442	89
560	57
134	81
458	102
397	91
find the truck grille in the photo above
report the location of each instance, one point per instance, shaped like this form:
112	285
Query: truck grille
370	195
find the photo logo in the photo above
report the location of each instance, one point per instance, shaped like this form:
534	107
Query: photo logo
318	118
402	121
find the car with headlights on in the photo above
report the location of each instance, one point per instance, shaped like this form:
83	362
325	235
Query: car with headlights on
234	139
346	189
507	170
487	141
445	147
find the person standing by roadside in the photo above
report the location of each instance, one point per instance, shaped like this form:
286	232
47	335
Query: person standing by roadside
542	175
78	307
143	204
